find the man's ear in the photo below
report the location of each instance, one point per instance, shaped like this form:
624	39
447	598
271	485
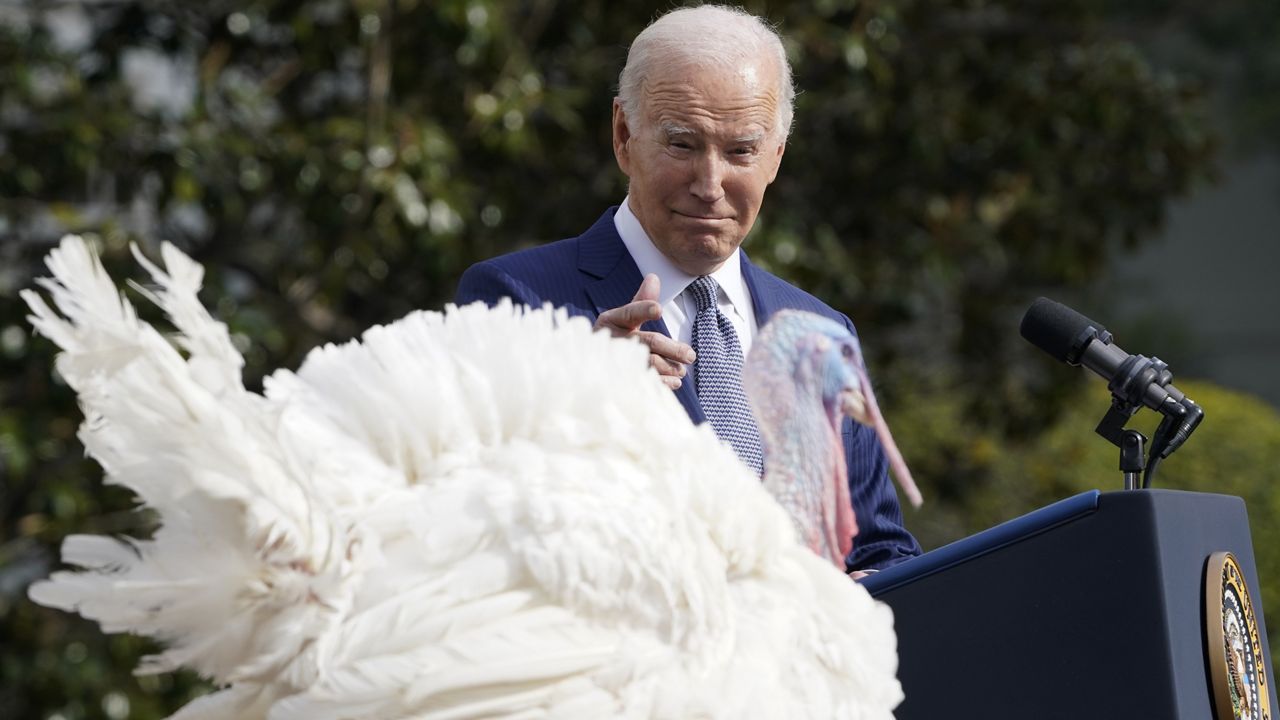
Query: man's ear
621	136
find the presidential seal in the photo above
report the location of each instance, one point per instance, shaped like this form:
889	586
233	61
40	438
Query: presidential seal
1241	688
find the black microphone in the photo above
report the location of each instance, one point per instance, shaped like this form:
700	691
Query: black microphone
1134	380
1076	340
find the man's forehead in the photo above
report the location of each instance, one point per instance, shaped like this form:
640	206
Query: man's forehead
755	79
736	102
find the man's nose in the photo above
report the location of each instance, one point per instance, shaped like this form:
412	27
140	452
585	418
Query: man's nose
708	178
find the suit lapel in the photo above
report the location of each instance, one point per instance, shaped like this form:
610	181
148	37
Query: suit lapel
763	300
614	280
688	397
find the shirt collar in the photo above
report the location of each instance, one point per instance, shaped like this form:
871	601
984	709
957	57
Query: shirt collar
649	259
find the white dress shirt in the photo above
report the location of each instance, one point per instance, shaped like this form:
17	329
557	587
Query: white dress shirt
678	305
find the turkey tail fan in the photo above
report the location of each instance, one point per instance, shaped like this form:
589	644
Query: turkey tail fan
239	534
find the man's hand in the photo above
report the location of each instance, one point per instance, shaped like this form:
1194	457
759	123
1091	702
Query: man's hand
666	355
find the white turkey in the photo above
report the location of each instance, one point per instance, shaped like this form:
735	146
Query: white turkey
485	513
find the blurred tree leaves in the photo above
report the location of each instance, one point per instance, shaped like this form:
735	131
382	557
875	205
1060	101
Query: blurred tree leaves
1236	43
337	163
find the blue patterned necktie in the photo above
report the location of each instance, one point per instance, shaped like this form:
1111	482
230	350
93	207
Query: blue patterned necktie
718	377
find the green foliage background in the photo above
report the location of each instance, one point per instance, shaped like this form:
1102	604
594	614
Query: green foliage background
337	163
1237	454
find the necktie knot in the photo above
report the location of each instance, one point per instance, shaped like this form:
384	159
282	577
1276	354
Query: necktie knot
704	290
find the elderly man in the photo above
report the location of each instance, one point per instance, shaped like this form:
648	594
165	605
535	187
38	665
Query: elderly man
699	128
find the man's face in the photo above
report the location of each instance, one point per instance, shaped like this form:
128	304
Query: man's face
699	159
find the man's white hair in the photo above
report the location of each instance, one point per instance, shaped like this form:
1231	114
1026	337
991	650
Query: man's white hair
716	35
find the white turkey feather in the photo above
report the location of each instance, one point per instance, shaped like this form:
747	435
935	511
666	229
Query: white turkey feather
479	513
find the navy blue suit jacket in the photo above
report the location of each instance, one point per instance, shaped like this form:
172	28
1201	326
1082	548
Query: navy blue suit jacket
594	272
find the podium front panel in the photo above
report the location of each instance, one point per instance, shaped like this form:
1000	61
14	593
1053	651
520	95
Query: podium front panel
1093	610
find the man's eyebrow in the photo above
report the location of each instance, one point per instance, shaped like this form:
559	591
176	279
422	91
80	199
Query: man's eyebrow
754	137
671	129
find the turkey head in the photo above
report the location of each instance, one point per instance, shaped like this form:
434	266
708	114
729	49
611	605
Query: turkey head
803	375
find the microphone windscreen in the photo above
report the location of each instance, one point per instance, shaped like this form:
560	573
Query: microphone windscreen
1059	330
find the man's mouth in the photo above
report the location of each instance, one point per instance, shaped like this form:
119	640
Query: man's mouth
700	217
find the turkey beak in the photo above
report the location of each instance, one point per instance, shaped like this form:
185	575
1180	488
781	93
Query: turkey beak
854	405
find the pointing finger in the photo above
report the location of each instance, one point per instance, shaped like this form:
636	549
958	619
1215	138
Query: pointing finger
628	318
650	288
644	307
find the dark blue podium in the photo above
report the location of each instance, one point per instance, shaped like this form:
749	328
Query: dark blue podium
1094	607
